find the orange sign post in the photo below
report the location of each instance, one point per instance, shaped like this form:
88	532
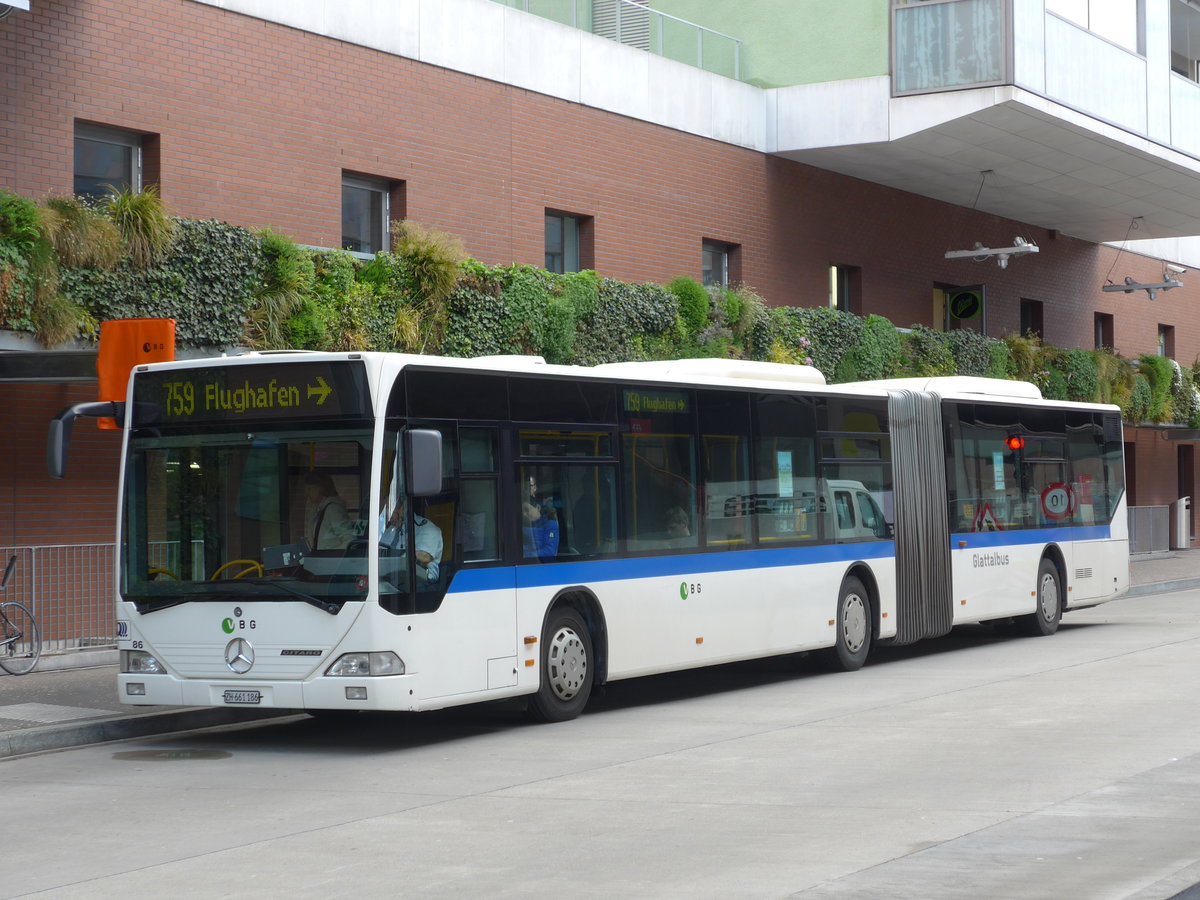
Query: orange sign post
125	343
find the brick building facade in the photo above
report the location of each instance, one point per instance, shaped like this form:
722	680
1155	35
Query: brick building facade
257	123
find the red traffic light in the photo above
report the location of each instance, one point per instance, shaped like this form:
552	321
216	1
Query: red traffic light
1016	442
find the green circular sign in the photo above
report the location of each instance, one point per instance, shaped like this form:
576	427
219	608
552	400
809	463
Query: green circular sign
683	591
227	626
966	304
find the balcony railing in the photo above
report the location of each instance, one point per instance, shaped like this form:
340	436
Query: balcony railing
634	23
945	44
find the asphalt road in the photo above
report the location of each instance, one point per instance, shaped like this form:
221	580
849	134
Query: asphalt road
973	766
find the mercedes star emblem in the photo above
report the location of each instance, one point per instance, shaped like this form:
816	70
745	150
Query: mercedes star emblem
239	656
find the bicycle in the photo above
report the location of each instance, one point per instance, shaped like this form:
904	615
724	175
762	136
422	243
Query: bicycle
20	637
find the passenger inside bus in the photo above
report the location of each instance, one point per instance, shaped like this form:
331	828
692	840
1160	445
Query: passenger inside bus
327	525
539	525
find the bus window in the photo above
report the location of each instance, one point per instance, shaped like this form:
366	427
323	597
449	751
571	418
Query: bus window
541	505
785	470
659	455
729	493
590	518
479	518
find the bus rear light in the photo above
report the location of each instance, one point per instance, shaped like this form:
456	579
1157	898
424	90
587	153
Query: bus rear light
356	665
139	662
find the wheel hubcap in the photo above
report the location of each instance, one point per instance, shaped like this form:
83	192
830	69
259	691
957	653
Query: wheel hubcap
854	623
566	662
1049	597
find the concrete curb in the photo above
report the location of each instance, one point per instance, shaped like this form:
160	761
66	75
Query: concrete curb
1163	587
77	659
120	727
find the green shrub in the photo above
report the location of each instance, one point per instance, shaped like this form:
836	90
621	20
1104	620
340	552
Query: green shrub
1079	374
142	221
971	350
1157	371
1026	354
819	334
80	236
877	353
476	315
1185	407
1140	400
693	303
286	281
24	255
926	353
581	290
430	263
1000	361
630	322
206	284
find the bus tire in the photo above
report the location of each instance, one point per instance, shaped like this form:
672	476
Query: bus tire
567	668
853	627
1045	618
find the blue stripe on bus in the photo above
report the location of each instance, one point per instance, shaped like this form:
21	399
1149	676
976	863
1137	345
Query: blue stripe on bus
684	565
677	565
1031	536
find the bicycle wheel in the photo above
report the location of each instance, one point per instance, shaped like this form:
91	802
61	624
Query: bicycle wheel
21	643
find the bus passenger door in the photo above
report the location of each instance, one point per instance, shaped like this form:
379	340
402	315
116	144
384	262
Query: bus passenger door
465	627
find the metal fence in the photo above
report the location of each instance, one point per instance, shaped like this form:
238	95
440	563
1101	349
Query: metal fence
68	587
1149	529
634	23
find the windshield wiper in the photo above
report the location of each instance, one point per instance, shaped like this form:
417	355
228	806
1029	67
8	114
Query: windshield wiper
149	604
285	585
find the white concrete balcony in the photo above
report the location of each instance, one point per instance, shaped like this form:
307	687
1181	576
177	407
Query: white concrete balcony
1082	130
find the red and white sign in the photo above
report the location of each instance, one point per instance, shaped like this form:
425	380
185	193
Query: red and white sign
985	519
1058	501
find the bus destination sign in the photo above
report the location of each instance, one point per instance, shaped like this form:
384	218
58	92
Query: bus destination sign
236	393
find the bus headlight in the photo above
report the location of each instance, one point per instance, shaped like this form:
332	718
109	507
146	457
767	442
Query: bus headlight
356	665
139	662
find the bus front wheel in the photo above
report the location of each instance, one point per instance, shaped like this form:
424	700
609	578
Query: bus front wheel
566	668
1044	620
853	627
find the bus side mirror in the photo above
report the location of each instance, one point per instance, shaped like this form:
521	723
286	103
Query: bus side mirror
423	451
58	440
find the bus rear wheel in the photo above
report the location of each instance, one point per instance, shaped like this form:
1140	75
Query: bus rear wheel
1044	620
566	668
853	627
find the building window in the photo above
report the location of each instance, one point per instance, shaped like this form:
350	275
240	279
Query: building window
1119	21
366	212
562	242
1104	331
1166	341
1031	318
845	289
719	263
107	160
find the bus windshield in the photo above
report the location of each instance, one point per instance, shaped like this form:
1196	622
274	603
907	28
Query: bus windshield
273	513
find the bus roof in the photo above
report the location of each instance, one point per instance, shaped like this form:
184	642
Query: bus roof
959	385
711	372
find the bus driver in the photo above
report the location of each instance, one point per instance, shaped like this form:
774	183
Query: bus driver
393	535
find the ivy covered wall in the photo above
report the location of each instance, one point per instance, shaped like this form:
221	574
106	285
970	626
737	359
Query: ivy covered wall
66	265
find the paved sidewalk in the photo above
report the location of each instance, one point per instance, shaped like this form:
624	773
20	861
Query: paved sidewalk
71	698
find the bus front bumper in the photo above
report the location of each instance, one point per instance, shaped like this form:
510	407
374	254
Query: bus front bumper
393	692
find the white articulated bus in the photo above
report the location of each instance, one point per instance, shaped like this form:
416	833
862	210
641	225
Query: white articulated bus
572	526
